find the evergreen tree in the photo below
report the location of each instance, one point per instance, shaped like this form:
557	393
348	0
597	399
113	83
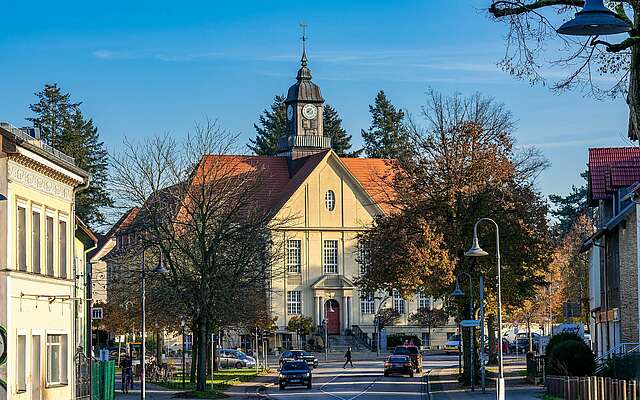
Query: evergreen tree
271	127
63	127
387	136
340	141
568	208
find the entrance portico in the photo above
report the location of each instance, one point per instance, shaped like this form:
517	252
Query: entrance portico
333	303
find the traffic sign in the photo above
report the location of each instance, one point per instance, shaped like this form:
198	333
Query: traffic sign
470	323
96	313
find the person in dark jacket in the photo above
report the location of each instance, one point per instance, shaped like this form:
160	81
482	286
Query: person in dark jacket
347	355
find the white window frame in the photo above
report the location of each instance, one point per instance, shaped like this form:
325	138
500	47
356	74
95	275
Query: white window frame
63	250
21	237
330	257
294	302
63	358
424	300
294	256
363	258
36	210
330	200
399	304
367	303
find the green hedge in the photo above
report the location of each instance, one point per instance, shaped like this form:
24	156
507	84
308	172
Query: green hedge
572	358
623	367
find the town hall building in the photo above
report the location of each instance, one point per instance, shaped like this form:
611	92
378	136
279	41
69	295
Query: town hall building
327	201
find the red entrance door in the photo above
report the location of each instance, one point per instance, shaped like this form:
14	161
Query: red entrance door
332	315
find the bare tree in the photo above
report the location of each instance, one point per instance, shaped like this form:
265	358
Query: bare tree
205	211
532	35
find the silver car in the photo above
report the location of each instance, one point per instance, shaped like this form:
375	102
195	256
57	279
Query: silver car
230	358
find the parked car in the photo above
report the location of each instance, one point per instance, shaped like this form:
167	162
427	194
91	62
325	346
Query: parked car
505	346
453	345
521	344
230	358
413	352
294	355
396	364
294	373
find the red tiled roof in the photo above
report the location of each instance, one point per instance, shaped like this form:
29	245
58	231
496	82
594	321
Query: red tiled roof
283	178
611	168
376	176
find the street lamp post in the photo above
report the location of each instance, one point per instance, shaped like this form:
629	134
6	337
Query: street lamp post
376	322
159	269
326	339
457	292
184	350
476	251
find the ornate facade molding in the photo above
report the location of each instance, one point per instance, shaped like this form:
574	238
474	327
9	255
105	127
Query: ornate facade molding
38	181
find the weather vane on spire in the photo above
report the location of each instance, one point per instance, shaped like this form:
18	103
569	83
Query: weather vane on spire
303	26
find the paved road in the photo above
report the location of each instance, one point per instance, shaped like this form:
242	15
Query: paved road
363	382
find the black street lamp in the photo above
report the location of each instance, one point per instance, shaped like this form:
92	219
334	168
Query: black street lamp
184	350
159	269
595	19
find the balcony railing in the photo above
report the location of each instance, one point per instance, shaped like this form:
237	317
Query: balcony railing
314	141
19	134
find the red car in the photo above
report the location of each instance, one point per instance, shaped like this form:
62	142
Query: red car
413	352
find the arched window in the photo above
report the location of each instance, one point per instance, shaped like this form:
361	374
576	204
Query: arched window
330	200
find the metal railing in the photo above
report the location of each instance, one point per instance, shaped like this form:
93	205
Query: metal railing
362	337
619	350
19	134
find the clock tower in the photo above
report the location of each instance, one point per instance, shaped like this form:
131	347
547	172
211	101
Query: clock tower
304	102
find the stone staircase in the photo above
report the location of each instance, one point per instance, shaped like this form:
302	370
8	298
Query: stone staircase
339	344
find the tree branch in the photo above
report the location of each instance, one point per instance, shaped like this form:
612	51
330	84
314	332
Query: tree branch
617	47
504	8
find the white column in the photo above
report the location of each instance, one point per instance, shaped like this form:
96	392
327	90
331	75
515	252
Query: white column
349	312
344	313
321	300
316	310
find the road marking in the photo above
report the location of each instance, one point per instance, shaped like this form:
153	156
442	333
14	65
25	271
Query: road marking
365	390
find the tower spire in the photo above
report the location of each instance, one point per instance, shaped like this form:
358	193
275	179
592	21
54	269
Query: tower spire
303	61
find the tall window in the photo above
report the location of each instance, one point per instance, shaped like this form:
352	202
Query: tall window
330	256
330	200
293	256
22	363
50	270
22	238
424	301
367	303
363	258
35	242
294	302
56	359
399	304
62	234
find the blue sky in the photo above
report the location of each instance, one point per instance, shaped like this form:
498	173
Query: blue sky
143	68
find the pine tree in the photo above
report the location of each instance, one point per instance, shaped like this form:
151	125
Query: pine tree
340	141
387	136
570	207
63	127
271	127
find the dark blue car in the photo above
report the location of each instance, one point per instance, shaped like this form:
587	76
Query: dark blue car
294	373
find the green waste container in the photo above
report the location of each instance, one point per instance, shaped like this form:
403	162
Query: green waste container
103	379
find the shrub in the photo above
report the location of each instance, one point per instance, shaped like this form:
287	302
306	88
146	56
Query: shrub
623	367
400	338
559	338
572	358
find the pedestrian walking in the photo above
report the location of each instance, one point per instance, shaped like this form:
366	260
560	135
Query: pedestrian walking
347	355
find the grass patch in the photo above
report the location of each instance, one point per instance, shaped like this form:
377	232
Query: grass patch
549	397
221	381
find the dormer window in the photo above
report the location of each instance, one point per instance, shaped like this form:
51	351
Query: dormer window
330	200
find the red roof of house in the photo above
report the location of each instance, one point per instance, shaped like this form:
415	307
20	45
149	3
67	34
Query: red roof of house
283	177
611	168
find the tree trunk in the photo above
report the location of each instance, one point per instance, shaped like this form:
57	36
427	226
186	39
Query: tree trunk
159	345
201	371
633	96
529	333
194	354
491	331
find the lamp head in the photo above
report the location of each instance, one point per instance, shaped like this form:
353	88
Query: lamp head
160	269
475	250
457	292
595	19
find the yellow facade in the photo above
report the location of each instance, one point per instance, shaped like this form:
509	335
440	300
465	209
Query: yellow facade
310	220
39	268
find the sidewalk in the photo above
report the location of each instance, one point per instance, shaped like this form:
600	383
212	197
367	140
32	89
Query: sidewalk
251	389
444	385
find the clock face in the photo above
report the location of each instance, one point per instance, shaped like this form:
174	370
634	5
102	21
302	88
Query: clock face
289	112
309	111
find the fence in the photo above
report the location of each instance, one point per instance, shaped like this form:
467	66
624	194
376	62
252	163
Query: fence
103	376
592	388
535	368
